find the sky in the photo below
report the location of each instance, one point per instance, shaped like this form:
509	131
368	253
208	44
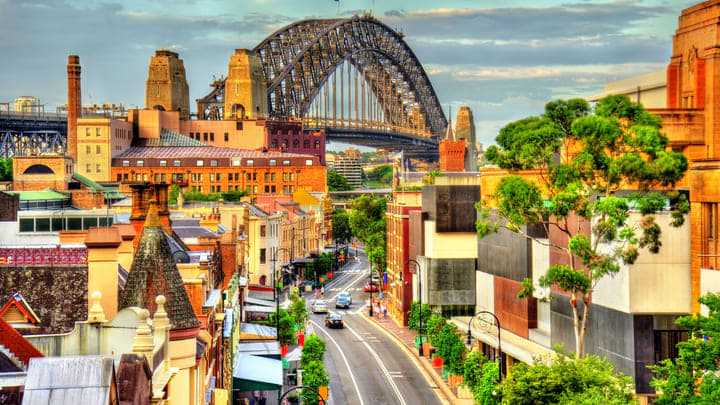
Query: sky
503	58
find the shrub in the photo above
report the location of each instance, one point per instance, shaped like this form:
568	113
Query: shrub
314	375
433	327
313	350
472	368
413	316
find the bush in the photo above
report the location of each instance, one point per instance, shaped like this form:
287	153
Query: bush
298	311
313	375
314	350
433	327
287	330
487	391
413	316
472	369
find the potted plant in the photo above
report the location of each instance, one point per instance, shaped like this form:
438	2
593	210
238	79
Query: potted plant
437	360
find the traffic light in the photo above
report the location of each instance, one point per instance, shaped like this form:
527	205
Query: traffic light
342	257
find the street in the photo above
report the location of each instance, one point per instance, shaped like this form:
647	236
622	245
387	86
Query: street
365	365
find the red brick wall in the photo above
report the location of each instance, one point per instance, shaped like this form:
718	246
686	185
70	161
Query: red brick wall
515	314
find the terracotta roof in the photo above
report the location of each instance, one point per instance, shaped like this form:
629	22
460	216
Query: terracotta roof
17	344
170	152
153	273
18	301
103	237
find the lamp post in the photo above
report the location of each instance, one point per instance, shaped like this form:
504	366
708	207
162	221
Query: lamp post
497	324
370	286
420	329
297	387
276	296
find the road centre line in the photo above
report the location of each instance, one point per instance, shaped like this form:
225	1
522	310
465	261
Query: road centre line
345	360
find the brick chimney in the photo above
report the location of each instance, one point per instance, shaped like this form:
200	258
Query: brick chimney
74	106
161	195
141	194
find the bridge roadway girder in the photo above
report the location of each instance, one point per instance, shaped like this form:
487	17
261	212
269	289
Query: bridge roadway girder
388	140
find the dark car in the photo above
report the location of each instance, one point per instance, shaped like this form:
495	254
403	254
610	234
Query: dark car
334	321
371	285
342	302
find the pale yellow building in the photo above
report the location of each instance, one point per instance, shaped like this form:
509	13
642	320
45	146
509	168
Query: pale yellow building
97	140
648	89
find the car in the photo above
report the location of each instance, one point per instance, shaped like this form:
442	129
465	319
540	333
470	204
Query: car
342	302
334	320
320	307
371	285
375	277
347	296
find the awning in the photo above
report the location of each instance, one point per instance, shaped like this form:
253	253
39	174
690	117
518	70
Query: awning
259	308
265	348
255	373
259	301
294	354
251	331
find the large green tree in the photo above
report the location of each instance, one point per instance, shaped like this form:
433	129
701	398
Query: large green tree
367	222
382	174
584	160
341	226
693	378
337	182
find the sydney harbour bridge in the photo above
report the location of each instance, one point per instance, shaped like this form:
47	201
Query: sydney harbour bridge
355	78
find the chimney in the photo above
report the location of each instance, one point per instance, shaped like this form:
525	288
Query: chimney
141	194
102	260
161	195
74	106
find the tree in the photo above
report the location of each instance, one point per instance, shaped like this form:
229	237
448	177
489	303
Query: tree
298	310
584	160
313	350
6	169
337	182
433	327
566	380
341	226
487	391
382	174
692	378
414	316
472	368
174	192
286	323
367	222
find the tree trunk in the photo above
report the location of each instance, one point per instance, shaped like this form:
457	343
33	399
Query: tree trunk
583	326
576	326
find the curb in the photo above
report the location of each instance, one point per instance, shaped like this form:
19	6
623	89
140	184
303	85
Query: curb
427	369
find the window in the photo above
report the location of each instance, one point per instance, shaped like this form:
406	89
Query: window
199	176
213	163
317	144
88	168
119	177
274	144
162	177
292	189
249	177
212	176
191	135
296	143
140	163
138	177
97	131
87	149
97	168
236	162
58	224
212	189
262	256
87	131
212	136
163	163
273	189
262	230
292	176
249	162
238	125
285	143
267	189
237	176
193	176
27	225
42	224
227	137
285	176
125	177
267	176
145	177
285	189
306	144
273	162
156	178
98	149
254	176
308	162
230	176
248	189
176	163
204	136
74	224
200	163
199	189
272	176
219	188
286	163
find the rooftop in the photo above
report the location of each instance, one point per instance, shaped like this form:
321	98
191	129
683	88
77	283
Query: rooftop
170	152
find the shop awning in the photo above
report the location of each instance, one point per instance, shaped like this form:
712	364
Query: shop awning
251	331
259	308
294	354
255	373
259	301
266	348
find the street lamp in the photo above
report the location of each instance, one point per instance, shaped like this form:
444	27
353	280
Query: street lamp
497	324
276	296
420	329
298	387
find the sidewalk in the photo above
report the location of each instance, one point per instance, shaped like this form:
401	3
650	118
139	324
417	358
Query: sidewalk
406	337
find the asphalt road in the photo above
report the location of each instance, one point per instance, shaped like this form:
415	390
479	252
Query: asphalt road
365	365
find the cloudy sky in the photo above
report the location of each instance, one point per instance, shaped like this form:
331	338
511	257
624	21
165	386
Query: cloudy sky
501	57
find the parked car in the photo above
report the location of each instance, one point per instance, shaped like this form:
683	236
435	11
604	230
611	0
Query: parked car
347	296
342	302
334	321
371	285
320	307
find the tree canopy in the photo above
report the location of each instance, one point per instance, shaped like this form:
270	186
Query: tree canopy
692	377
341	226
337	182
583	161
382	174
367	222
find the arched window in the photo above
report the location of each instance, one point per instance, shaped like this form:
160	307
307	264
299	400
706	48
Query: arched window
306	144
296	143
38	169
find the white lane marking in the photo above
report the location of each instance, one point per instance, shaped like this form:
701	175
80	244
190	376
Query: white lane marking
382	366
342	354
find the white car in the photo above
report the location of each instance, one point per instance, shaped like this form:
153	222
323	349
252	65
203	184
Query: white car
320	307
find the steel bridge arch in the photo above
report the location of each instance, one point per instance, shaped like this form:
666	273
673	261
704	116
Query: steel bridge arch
298	59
